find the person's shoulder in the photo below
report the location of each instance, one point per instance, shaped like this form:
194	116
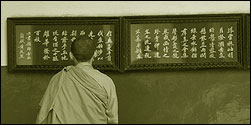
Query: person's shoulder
104	77
64	70
67	68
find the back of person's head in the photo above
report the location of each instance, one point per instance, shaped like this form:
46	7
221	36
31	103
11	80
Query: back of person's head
83	49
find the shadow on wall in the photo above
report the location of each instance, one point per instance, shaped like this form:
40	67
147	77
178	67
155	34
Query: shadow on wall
221	104
193	97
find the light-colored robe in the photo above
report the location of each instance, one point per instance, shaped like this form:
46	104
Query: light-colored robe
79	95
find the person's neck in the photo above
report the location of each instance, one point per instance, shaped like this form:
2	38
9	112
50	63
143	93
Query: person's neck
87	62
84	65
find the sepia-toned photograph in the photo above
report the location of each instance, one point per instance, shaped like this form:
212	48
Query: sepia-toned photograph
125	62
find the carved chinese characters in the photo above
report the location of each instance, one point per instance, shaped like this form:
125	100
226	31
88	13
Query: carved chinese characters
51	45
164	42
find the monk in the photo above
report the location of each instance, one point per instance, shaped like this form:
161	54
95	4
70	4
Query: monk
79	94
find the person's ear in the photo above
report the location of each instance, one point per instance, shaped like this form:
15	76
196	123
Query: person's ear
71	56
95	54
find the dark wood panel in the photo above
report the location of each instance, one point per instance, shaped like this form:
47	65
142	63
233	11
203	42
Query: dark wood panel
44	43
157	42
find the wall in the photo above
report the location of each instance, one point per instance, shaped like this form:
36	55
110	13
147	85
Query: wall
208	96
111	8
201	96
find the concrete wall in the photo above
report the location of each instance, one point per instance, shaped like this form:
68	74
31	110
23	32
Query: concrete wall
195	96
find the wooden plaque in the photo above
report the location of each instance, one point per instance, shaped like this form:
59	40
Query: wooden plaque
44	43
183	42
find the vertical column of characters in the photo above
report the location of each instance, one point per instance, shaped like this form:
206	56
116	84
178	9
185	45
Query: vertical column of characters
184	43
212	39
81	33
203	44
28	45
109	44
98	48
73	35
230	44
64	52
37	42
174	44
147	44
221	43
37	36
193	43
21	46
156	43
100	44
91	35
55	50
138	50
46	35
55	44
166	43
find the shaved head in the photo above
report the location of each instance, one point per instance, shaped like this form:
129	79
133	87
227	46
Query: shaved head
83	49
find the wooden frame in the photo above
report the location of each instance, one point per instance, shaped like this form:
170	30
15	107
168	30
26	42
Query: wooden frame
13	24
122	54
247	39
131	22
